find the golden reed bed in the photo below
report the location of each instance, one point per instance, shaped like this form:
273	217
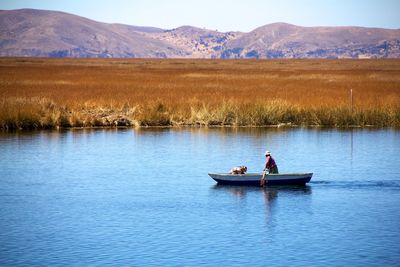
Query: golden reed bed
47	93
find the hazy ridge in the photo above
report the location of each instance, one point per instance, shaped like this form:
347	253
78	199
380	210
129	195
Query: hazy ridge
30	32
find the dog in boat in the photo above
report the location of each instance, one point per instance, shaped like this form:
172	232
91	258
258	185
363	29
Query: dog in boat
239	170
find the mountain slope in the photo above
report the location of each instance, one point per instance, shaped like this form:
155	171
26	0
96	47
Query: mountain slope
196	42
29	32
285	40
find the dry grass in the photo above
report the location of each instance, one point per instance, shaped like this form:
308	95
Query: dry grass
43	93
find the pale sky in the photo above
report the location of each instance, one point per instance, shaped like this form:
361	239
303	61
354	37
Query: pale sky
226	15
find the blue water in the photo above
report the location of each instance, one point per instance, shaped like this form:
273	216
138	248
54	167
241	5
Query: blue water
143	198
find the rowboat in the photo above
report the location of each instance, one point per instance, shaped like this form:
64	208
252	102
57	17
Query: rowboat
254	178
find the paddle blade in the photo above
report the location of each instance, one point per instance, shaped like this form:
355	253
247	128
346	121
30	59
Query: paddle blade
262	182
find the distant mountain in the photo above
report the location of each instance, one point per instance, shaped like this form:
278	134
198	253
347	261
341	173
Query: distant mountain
30	32
195	42
289	41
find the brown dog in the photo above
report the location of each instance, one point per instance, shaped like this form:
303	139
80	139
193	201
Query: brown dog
239	170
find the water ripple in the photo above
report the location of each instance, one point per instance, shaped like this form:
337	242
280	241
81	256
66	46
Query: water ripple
143	198
390	184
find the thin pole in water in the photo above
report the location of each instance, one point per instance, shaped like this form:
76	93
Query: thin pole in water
351	101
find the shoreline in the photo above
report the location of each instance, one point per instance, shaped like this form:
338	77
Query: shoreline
41	113
178	127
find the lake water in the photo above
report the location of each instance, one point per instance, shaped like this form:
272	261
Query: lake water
143	198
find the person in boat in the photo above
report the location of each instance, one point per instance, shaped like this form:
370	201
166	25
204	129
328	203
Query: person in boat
270	163
239	170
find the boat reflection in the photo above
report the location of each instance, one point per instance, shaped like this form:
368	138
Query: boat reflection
269	193
242	191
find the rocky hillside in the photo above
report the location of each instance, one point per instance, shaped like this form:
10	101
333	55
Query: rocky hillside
29	32
196	42
281	40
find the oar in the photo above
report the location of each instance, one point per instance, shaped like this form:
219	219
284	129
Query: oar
262	182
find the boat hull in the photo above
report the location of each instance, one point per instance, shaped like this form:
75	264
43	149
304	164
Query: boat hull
253	179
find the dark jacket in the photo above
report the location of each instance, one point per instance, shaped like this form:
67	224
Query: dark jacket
270	163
